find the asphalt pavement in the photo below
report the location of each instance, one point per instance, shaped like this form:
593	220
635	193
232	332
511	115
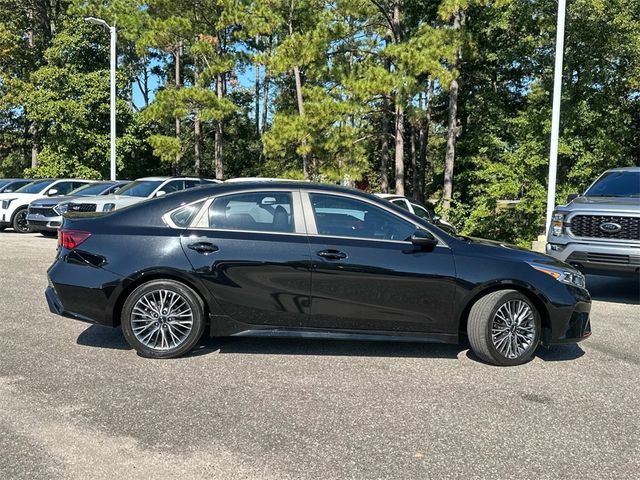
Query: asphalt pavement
77	403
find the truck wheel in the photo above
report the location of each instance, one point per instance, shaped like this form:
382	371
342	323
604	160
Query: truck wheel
504	328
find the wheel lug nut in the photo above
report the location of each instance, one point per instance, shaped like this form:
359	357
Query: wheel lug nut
156	324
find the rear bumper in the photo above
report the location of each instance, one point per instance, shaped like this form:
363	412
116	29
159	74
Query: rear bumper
598	258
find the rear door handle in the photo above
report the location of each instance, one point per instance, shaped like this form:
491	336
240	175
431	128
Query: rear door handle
332	254
203	247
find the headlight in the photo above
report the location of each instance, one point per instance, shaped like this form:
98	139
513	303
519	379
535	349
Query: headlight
557	224
109	207
61	208
6	203
570	277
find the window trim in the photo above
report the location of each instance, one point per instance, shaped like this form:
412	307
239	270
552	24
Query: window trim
312	228
198	221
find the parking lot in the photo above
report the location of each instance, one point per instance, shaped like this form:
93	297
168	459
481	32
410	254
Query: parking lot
76	402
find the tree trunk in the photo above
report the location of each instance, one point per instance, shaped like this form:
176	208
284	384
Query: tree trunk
452	129
425	126
177	54
305	160
415	177
33	128
384	148
257	92
399	152
399	157
218	132
265	101
197	127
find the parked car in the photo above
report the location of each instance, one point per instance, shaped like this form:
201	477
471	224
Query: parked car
420	210
14	205
8	185
137	191
306	260
45	215
599	232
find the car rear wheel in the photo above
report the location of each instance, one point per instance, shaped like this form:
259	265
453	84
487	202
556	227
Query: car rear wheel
20	224
504	328
163	319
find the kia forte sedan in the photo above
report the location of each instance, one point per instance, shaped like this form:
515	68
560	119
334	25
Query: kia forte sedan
305	260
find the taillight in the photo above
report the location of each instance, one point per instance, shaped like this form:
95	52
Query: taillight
70	239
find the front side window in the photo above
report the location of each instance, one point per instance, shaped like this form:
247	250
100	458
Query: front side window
347	217
401	203
63	188
422	212
173	186
255	211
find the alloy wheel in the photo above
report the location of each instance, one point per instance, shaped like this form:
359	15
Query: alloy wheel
513	328
21	224
162	319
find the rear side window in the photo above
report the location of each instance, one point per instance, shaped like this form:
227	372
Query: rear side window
255	211
184	216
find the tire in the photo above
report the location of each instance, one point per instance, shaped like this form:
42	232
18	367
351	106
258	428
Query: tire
19	221
142	315
494	323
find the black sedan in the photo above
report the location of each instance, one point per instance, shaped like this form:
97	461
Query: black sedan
305	260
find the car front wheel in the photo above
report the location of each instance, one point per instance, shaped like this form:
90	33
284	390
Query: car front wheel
504	328
20	224
163	319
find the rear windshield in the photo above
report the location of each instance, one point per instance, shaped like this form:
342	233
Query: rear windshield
616	184
35	187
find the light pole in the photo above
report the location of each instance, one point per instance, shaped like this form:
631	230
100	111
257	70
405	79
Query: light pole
555	116
112	139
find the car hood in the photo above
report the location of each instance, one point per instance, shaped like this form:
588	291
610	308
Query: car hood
53	201
4	196
506	251
603	203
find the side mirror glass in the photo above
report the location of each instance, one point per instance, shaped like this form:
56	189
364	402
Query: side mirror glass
160	193
52	192
572	197
423	239
436	218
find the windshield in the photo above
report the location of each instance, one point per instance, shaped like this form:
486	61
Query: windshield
140	188
90	190
616	184
35	187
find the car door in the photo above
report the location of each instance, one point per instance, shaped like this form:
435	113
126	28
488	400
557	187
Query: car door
366	274
250	249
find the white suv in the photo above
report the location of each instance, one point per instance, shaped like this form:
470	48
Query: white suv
137	191
14	205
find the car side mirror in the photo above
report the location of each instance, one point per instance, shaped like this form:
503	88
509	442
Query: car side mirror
423	239
52	192
572	197
436	218
160	193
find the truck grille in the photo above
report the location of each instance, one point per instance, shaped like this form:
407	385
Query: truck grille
45	211
82	207
606	258
590	226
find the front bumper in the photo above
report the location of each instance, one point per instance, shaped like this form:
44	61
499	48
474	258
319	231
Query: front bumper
598	258
40	222
568	308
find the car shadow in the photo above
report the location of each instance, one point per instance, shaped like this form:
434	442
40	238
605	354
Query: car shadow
103	337
111	338
615	289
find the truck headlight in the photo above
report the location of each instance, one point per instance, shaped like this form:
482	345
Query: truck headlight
109	207
557	224
6	203
61	208
570	277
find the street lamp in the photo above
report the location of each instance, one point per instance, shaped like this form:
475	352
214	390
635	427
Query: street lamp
114	35
555	116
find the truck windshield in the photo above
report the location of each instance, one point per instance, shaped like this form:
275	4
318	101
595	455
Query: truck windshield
616	184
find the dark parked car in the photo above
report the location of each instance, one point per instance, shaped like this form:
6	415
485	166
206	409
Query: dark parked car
8	185
300	259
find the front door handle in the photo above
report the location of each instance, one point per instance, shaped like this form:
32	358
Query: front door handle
203	247
332	254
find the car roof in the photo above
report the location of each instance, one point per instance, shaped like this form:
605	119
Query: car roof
624	169
156	179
